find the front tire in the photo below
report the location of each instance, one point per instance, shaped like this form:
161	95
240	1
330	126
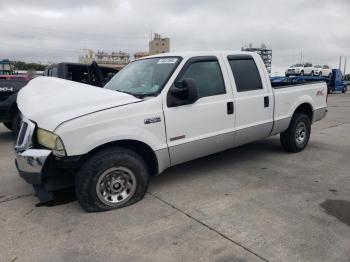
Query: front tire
111	179
312	73
297	136
302	73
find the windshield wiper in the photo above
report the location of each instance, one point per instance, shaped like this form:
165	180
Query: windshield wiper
137	95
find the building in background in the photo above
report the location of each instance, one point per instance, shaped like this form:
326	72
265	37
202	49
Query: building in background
159	45
5	67
115	59
139	55
264	52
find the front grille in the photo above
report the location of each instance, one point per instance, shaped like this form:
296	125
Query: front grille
24	139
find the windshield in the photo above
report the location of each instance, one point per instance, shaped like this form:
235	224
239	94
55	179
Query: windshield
297	65
145	77
318	66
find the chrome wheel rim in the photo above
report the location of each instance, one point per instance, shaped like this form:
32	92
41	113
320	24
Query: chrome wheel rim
116	186
300	133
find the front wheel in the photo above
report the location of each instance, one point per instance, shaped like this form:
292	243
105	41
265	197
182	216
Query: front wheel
302	73
344	89
312	73
297	136
111	179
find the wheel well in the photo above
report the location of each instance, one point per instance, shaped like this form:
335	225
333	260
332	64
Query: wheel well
141	148
305	108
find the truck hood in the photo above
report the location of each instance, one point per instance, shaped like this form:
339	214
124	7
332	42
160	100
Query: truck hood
50	101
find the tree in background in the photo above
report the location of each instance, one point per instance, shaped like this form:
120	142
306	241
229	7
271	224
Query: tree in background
20	65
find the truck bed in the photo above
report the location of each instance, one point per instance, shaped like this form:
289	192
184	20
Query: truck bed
288	97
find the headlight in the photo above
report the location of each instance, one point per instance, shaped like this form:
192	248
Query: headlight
51	141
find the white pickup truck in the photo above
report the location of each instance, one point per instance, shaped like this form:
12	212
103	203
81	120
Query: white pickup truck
157	112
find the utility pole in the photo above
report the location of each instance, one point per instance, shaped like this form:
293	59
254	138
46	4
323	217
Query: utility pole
340	63
345	65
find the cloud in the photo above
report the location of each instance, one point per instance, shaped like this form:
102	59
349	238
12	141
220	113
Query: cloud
60	30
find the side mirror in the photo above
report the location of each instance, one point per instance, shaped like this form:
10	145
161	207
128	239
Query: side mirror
183	93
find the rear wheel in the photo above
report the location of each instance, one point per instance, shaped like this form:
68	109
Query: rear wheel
320	73
8	125
111	179
15	124
344	89
312	73
297	136
301	72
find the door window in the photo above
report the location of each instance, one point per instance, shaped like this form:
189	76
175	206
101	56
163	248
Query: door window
208	77
246	73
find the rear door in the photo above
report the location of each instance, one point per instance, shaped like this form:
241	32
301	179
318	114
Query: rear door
253	98
206	126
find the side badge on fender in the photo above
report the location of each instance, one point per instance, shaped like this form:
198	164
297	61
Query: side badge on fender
152	120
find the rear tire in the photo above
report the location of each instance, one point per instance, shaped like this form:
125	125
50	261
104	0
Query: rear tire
112	178
312	73
344	89
301	72
320	73
16	123
297	136
8	125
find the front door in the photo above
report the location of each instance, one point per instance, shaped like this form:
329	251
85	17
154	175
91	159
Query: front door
206	126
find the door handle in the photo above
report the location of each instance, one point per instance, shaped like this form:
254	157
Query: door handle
229	108
266	101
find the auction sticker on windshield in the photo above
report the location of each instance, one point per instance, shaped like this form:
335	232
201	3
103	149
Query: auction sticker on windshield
167	61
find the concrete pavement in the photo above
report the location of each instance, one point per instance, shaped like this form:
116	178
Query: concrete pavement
253	203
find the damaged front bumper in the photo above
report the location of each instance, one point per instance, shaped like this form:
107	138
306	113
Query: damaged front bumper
30	164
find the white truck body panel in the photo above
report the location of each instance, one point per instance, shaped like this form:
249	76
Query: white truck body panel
92	117
52	101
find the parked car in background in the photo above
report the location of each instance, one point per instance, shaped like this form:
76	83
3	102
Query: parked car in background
88	74
300	69
15	77
324	70
159	111
9	87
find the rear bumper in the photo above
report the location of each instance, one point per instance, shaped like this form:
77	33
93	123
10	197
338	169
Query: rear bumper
319	114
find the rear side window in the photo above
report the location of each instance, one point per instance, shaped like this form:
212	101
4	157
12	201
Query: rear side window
245	72
208	77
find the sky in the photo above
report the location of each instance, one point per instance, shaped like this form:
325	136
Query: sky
59	30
